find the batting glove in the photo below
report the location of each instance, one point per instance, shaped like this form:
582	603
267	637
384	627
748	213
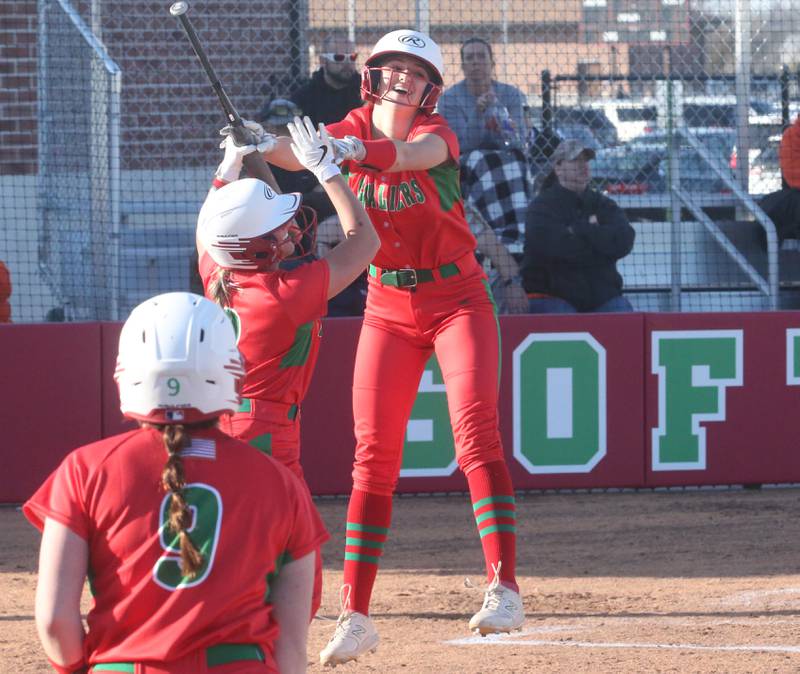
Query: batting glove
313	149
239	142
348	148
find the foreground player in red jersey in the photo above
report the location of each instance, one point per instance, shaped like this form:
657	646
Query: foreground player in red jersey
427	294
243	233
199	549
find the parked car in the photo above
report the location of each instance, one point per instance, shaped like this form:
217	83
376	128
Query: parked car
631	118
720	111
579	132
642	168
765	170
623	170
597	121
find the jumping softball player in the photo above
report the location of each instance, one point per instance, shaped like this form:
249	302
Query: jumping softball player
197	546
244	231
427	294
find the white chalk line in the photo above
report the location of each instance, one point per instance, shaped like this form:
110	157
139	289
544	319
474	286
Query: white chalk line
516	640
749	597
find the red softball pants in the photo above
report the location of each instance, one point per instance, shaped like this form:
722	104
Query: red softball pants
454	318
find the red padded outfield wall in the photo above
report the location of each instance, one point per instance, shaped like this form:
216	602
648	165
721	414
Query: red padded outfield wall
631	400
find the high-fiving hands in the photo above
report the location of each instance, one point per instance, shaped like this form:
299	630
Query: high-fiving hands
349	148
313	148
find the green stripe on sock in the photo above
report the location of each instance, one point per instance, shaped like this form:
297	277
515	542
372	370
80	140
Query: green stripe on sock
492	514
356	557
368	528
495	528
492	499
361	543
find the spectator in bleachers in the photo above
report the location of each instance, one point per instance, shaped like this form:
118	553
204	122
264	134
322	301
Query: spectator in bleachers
484	113
5	294
489	120
783	206
573	238
335	88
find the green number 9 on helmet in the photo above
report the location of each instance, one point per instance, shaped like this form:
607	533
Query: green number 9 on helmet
412	43
178	361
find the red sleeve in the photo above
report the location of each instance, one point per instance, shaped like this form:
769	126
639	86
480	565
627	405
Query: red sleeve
62	497
356	123
206	267
789	154
438	125
303	291
5	282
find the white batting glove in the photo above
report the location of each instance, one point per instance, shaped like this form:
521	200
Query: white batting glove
348	148
251	138
313	149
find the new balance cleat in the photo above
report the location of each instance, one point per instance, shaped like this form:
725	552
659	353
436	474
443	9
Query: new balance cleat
355	635
501	611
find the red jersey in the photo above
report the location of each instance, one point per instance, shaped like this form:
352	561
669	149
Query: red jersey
278	315
789	154
251	515
419	215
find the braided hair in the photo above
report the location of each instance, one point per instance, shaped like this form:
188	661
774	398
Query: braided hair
173	478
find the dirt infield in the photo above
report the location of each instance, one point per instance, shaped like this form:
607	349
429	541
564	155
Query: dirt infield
691	581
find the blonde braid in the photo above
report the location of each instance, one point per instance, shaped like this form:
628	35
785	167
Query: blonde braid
180	515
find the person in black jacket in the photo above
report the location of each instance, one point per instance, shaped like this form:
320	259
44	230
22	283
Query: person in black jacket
573	238
335	88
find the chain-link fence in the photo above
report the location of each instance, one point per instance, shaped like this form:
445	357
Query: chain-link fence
683	103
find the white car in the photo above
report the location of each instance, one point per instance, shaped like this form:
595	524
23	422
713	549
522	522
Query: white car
632	118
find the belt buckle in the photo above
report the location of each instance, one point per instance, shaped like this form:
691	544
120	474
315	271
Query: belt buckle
404	273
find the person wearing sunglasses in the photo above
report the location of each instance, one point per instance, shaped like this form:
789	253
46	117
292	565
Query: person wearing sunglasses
334	89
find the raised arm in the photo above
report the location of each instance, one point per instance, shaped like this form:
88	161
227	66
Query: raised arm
424	152
281	155
314	151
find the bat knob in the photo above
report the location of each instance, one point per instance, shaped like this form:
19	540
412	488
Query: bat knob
178	8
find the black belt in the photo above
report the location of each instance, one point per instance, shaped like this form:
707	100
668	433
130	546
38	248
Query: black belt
409	278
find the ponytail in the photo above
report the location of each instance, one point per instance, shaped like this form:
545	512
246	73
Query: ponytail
220	287
180	515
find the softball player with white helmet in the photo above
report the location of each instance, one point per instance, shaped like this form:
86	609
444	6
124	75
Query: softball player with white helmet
427	294
182	530
244	231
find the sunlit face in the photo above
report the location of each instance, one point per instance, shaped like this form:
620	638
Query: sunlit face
574	174
403	80
282	236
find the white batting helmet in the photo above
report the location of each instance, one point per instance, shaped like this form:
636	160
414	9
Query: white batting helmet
178	361
413	43
234	221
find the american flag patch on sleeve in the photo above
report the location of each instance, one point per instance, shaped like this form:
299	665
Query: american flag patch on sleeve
201	448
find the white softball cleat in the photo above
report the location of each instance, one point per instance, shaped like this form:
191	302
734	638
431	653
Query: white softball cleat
355	635
501	611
